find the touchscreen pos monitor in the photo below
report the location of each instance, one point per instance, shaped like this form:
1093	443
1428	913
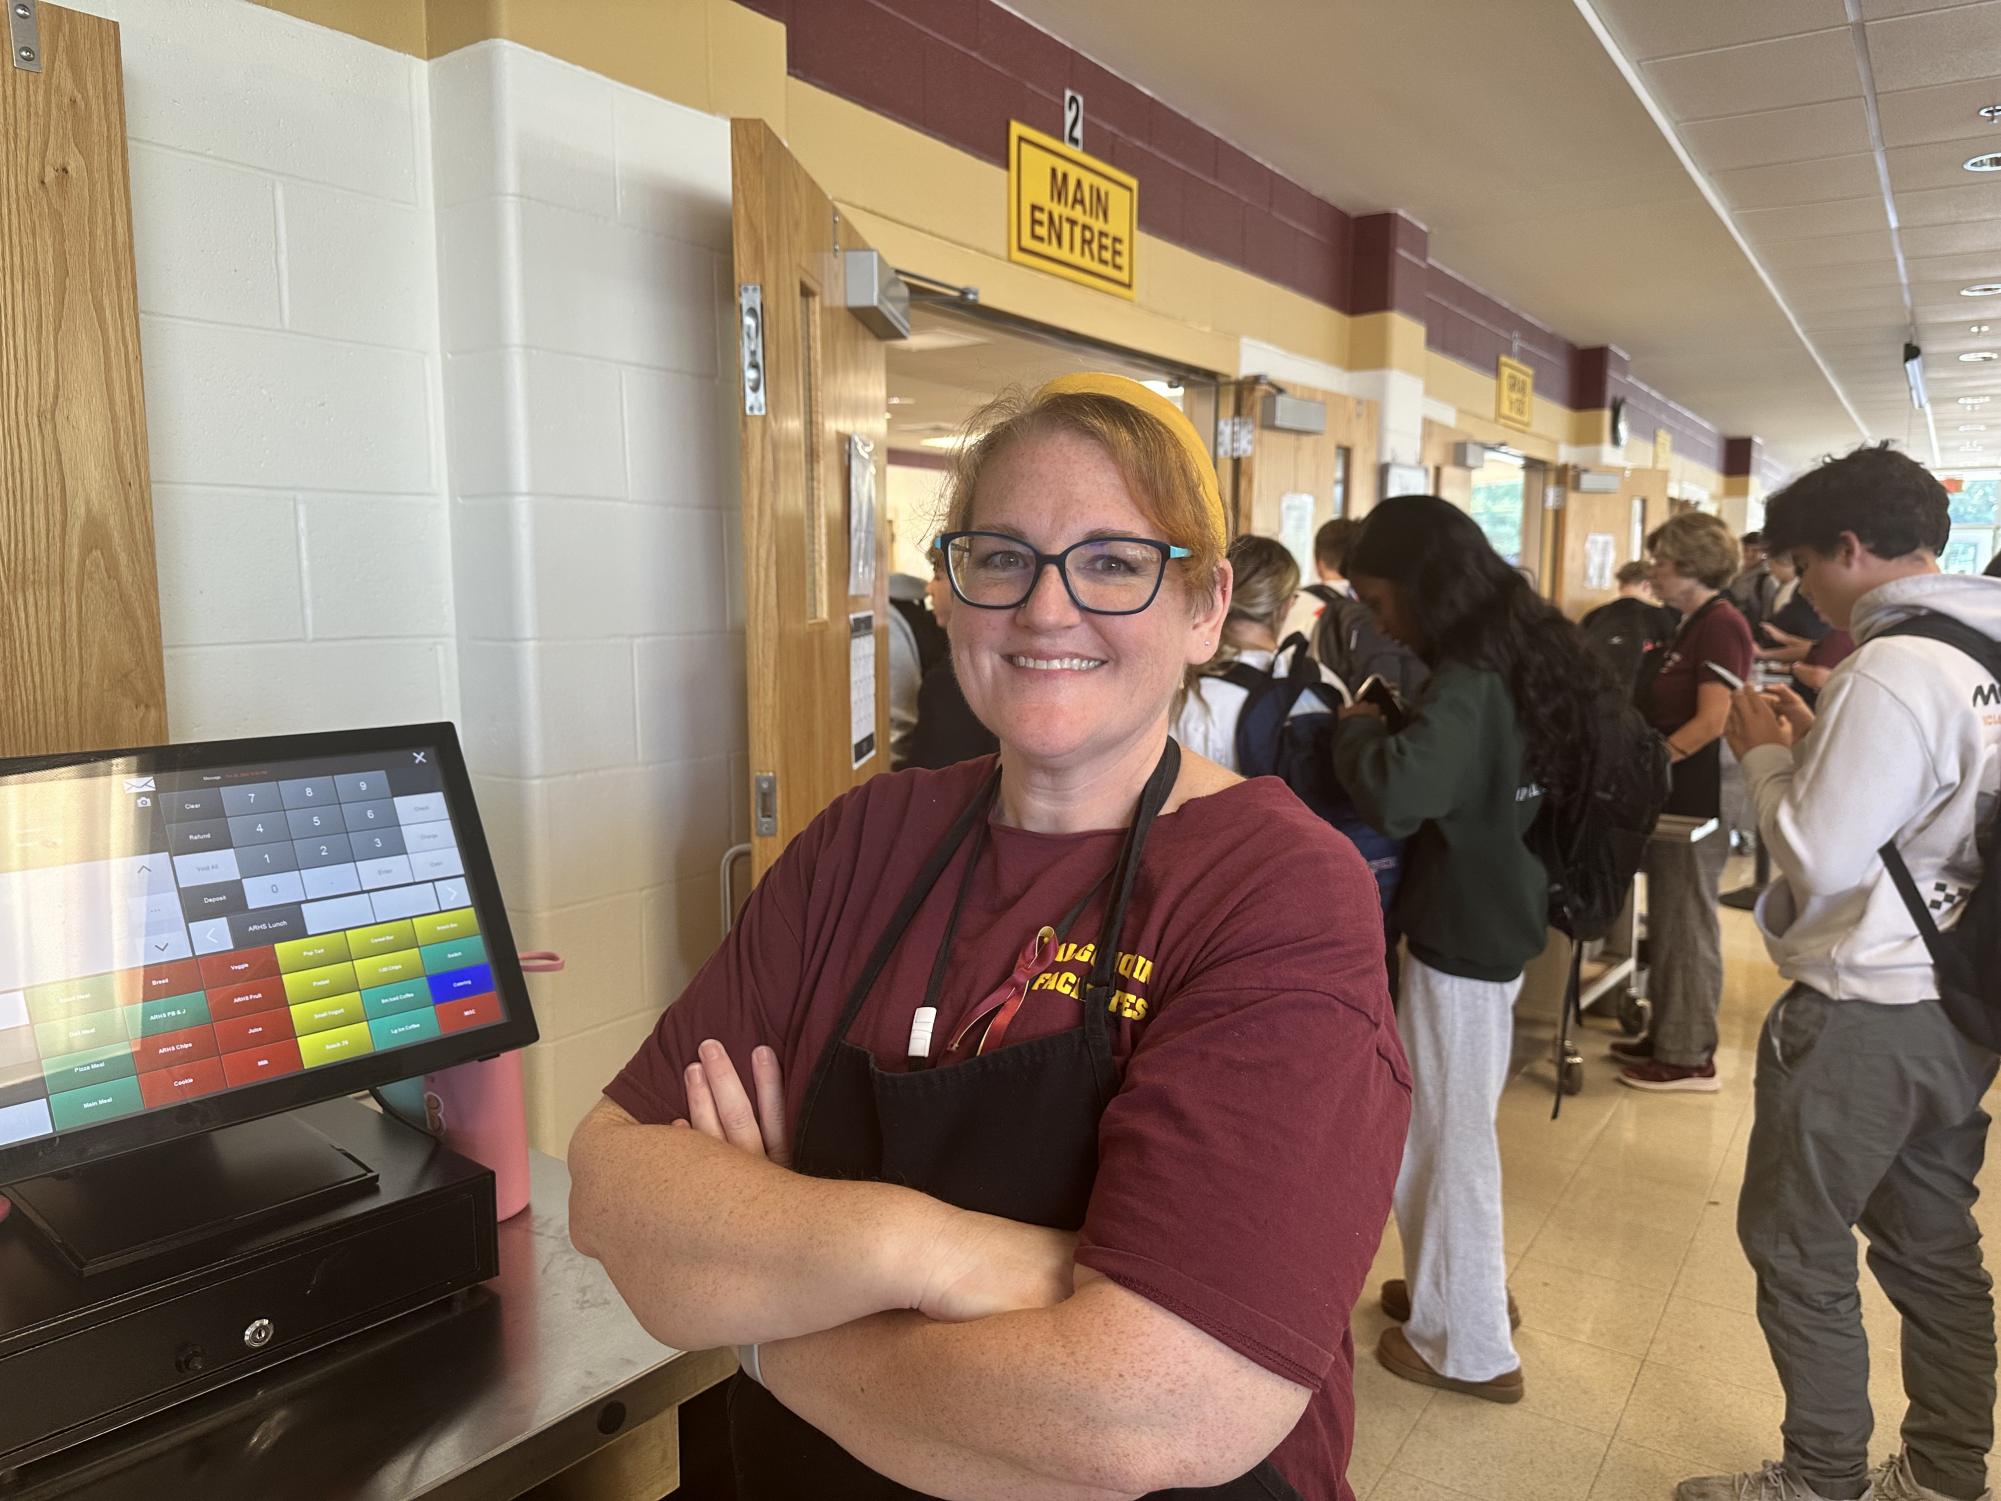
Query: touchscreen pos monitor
194	936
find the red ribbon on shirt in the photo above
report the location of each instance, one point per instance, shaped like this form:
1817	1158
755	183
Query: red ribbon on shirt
1005	1001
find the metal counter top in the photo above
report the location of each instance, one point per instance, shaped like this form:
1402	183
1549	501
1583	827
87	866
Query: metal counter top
479	1397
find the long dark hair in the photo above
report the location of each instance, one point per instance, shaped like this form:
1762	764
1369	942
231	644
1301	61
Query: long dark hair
1467	604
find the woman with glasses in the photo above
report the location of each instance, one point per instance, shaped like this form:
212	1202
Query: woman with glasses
1511	708
1074	1099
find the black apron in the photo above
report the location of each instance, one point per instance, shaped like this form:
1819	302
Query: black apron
1013	1132
1695	783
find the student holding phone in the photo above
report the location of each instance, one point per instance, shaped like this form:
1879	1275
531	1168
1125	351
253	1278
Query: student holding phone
1685	694
1509	709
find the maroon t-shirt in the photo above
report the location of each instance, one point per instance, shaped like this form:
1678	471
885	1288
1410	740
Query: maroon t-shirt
1246	1163
1721	636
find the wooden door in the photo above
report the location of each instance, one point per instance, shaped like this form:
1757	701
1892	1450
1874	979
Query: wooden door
1341	458
80	663
822	381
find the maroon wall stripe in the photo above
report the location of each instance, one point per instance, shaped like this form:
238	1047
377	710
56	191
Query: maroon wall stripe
959	70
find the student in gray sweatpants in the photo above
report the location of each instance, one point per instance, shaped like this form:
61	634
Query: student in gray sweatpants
1868	1096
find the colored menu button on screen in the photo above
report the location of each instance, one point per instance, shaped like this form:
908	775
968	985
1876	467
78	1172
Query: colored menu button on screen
238	1034
323	1016
312	953
391	1000
389	969
382	938
169	1086
243	964
460	984
455	953
241	1000
88	1069
258	1064
48	1003
336	1046
401	1031
307	984
99	1102
436	927
173	1014
461	1016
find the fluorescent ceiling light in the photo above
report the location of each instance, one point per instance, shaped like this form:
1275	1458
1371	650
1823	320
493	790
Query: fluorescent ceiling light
1914	374
1973	427
1980	328
1979	357
1974	401
1991	112
1986	162
1982	289
902	401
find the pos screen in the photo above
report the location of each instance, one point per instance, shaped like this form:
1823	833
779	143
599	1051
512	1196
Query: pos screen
195	935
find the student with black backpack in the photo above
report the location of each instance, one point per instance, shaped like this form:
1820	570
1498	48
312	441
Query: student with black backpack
1263	707
1514	705
1872	1066
1345	638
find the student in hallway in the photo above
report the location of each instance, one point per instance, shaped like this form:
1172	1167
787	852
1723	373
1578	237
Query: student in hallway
1868	1100
1685	696
1345	639
1632	627
1264	583
1509	709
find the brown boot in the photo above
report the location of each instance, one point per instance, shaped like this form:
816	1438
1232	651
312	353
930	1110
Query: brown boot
1394	1351
1396	1303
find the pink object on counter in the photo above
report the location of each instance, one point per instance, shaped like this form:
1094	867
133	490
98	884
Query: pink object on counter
479	1111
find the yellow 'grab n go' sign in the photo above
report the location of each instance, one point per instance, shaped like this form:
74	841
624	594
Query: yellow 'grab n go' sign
1070	214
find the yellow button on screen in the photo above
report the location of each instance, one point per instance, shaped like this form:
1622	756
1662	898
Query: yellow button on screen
324	1016
335	1047
311	984
312	953
389	969
439	926
383	938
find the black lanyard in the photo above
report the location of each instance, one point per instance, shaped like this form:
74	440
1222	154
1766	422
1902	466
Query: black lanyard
1098	989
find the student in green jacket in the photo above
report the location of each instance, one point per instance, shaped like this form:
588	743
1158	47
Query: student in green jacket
1508	710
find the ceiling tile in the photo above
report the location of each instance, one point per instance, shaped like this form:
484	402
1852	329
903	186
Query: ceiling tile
1935	46
1887	320
1941	164
1795	70
1883	297
1648	29
1872	246
1942	112
1880	271
1962	205
1777	135
1789	183
1952	239
1804	221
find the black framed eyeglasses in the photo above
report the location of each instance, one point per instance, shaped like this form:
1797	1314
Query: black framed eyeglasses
1102	575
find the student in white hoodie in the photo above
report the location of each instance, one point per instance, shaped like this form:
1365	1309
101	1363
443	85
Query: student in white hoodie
1868	1098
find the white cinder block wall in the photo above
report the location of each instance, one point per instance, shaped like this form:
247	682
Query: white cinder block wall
584	257
439	399
282	219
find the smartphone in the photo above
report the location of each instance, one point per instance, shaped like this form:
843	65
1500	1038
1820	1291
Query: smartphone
1377	690
1726	674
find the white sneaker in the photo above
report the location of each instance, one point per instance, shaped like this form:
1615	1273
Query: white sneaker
1893	1481
1773	1483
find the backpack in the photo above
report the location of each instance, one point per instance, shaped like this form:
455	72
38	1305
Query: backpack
1968	956
1590	839
1351	646
1625	633
1298	749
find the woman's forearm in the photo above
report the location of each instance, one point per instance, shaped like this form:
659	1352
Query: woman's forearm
710	1245
1100	1396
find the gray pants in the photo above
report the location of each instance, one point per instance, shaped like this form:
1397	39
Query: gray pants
1685	947
1870	1115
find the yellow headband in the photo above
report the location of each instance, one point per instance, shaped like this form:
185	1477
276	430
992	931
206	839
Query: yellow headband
1132	393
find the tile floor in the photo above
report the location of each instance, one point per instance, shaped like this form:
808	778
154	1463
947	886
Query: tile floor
1642	1354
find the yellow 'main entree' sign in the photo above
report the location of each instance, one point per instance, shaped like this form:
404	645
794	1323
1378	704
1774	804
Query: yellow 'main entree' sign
1070	214
1514	393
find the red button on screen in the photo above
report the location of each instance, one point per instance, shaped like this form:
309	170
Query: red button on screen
242	1000
476	1011
234	969
169	1086
159	981
236	1034
261	1063
172	1049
